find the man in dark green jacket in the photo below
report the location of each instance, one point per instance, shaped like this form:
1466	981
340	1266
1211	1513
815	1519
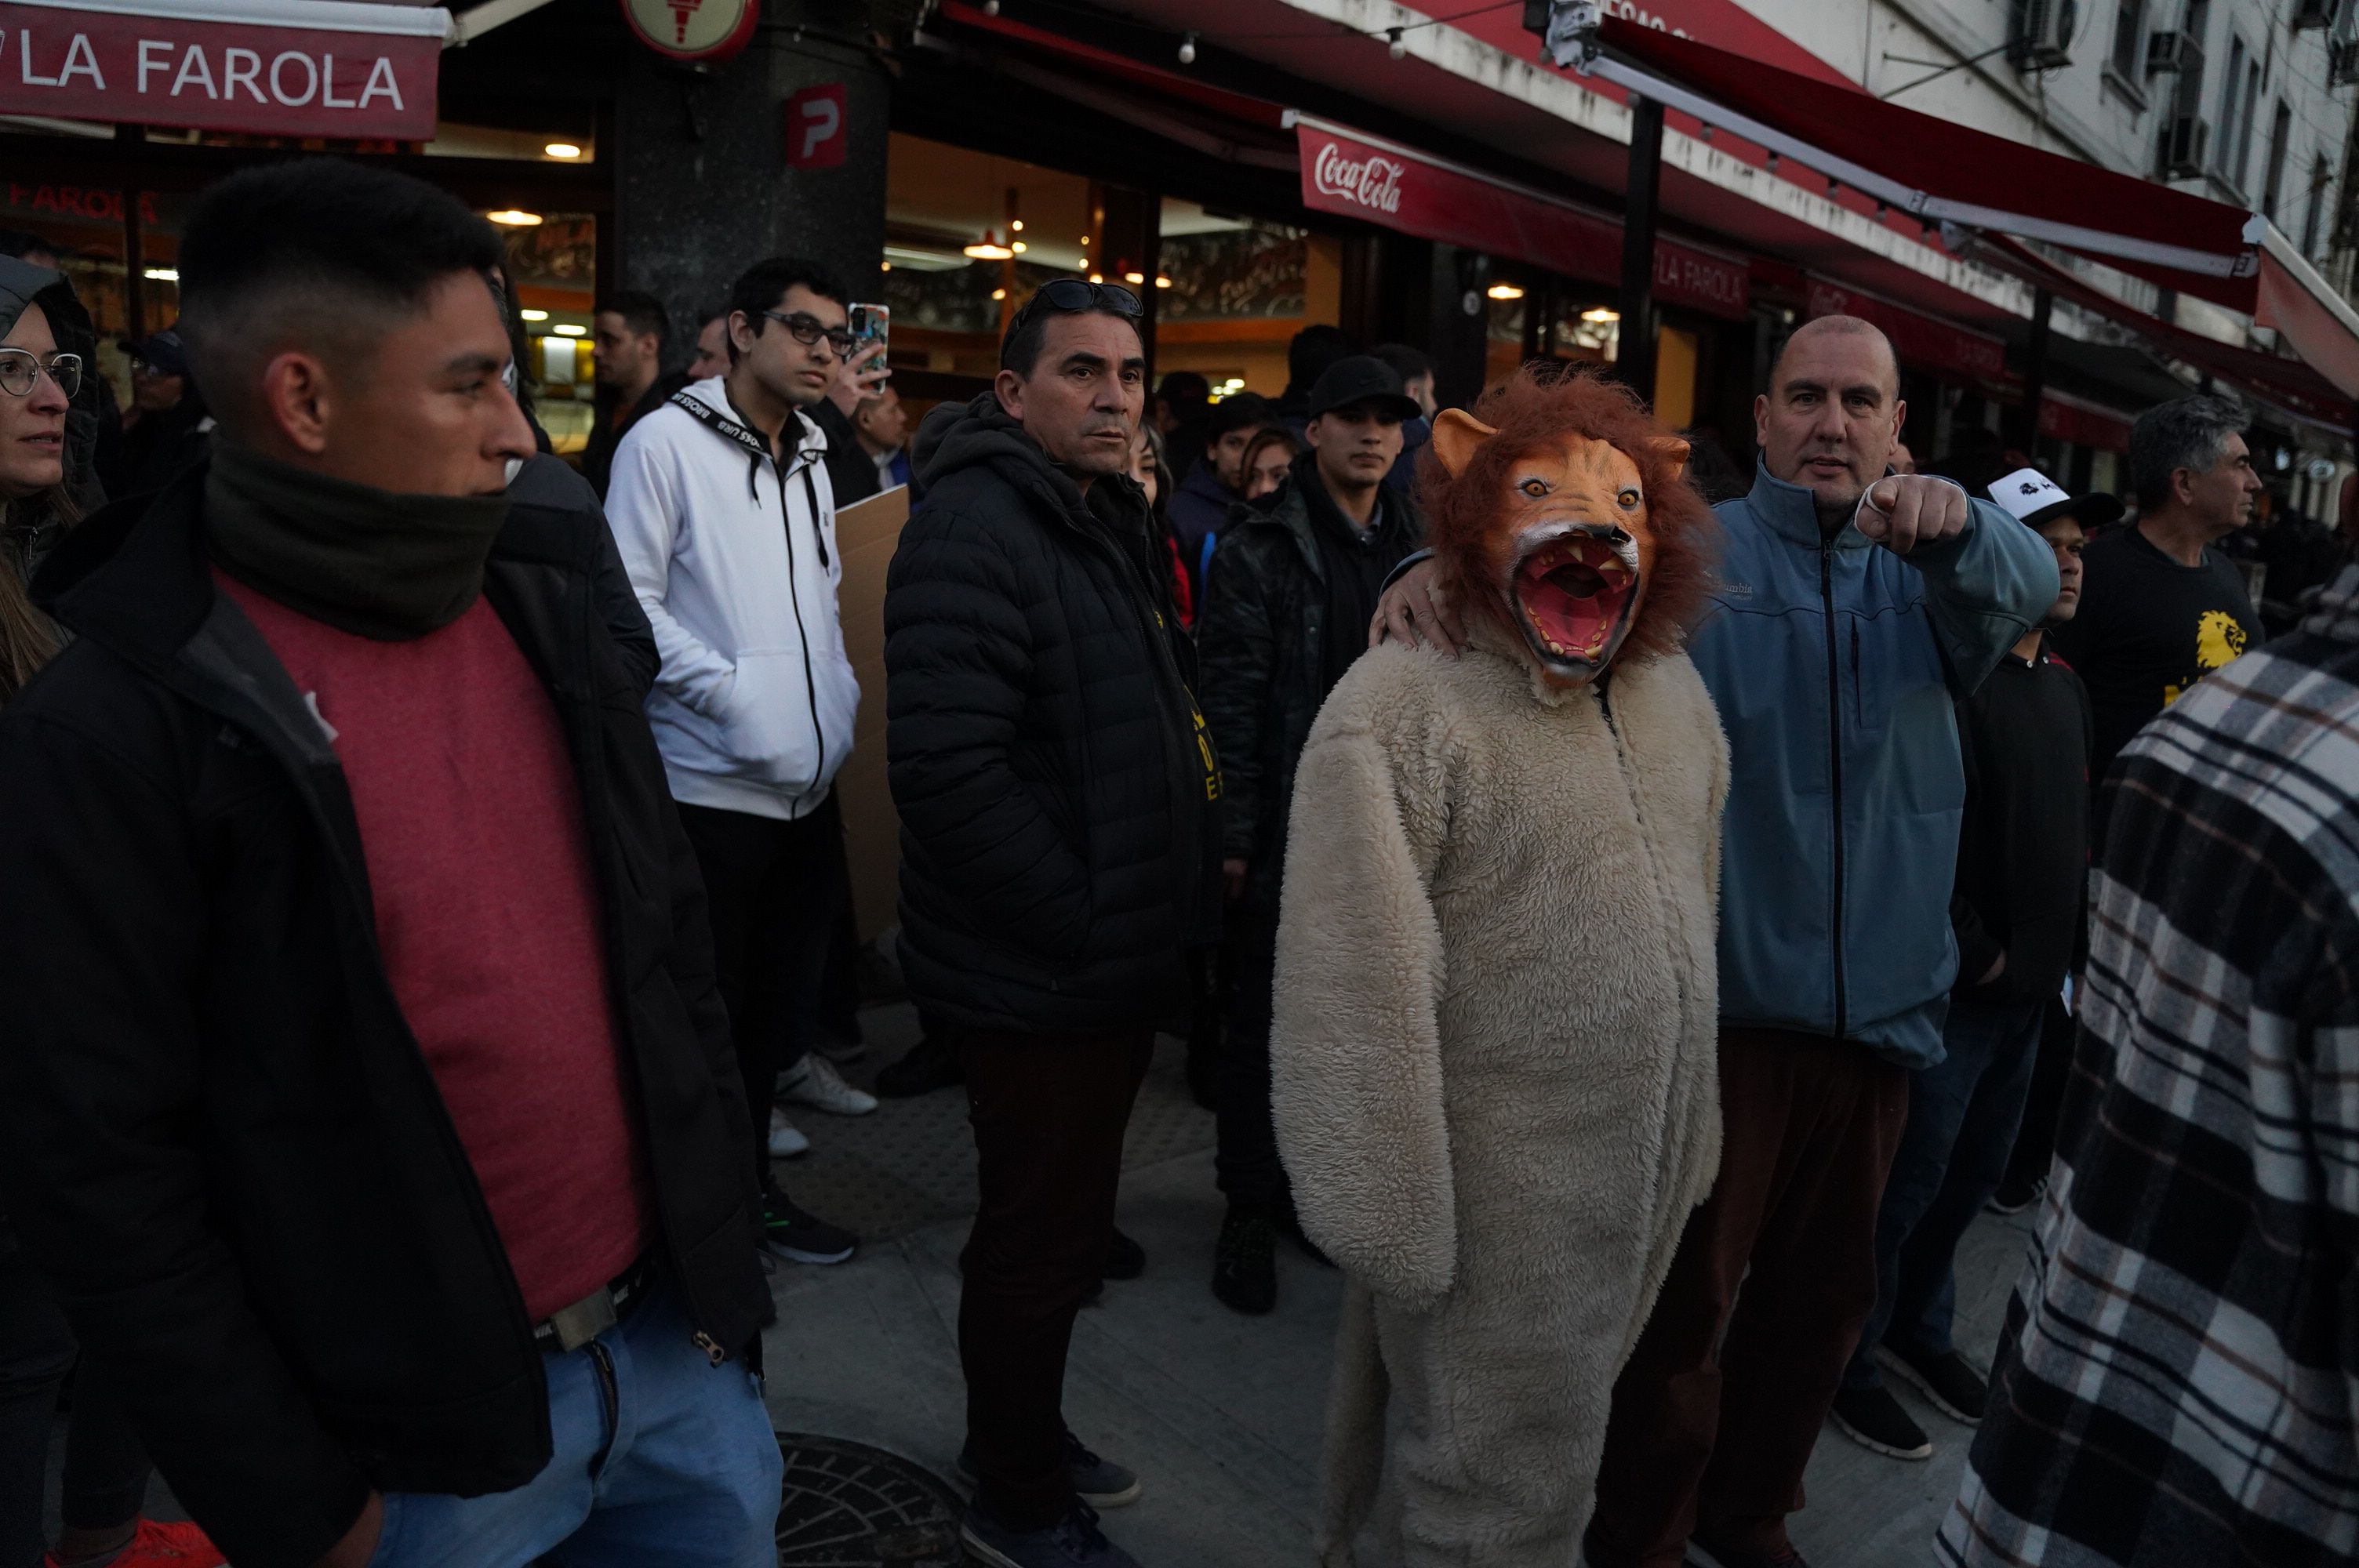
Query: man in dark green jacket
1287	603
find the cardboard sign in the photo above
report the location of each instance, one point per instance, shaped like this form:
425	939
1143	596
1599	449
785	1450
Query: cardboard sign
868	532
363	71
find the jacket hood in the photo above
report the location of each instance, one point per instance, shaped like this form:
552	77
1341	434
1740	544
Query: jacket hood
23	284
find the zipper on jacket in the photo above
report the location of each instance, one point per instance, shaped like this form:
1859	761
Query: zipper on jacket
795	599
1834	765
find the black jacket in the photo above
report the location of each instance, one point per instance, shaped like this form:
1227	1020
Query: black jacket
217	1133
851	473
1263	638
606	435
2026	738
1055	788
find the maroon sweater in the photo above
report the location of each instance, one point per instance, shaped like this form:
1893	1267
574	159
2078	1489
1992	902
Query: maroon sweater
487	916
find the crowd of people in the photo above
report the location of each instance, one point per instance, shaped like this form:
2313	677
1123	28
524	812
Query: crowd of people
1628	916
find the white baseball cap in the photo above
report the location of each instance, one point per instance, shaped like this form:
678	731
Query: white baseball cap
2032	498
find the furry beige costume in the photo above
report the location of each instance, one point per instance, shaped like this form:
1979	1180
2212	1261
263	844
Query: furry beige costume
1493	1054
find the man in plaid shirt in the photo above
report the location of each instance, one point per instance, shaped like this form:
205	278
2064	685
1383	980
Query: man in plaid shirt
2180	1374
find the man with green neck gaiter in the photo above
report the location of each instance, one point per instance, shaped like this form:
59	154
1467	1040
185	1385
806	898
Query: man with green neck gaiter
369	1096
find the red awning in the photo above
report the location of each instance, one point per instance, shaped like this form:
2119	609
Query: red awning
2289	385
1120	68
1939	170
277	67
2068	419
1356	175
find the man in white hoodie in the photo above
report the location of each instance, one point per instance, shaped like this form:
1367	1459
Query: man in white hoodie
721	508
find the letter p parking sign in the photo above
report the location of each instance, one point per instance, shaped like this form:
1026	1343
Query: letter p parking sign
815	126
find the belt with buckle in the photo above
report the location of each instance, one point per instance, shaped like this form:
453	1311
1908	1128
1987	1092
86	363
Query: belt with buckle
571	1328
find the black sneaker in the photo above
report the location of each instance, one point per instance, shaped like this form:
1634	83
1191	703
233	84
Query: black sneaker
1947	1379
1873	1419
803	1238
1245	1263
929	1065
1702	1554
2014	1197
1100	1483
1075	1543
1124	1260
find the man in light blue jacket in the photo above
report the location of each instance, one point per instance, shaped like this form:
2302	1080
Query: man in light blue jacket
1852	604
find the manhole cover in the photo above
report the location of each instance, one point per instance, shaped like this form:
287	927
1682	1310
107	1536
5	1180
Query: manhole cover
850	1505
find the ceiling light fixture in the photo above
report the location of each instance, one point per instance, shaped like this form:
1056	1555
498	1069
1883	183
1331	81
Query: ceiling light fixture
1161	281
1134	277
1017	247
562	149
534	315
161	274
1188	49
1398	47
568	330
1016	225
1095	278
1504	291
999	294
515	218
1598	315
988	248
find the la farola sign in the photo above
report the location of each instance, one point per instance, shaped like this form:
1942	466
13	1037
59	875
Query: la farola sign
1400	189
267	67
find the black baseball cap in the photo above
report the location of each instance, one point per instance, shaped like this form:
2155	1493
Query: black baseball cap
162	351
1360	378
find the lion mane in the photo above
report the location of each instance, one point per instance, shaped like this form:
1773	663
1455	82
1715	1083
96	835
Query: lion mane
1540	404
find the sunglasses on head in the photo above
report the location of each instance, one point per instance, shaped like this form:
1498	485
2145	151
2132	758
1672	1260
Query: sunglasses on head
1067	294
20	370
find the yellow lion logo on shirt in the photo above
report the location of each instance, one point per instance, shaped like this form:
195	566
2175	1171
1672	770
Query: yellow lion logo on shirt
2218	639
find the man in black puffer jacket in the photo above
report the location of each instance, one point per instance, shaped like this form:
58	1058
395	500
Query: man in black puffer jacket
1056	793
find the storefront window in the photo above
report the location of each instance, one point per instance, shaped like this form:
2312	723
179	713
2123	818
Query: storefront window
93	234
552	265
1509	341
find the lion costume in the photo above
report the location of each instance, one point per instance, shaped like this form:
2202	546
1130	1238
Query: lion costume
1494	1070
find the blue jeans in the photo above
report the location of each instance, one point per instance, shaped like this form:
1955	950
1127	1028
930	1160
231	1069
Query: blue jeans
660	1458
1962	1120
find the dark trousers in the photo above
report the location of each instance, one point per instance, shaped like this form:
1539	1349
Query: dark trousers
1245	1160
773	888
1715	1414
2052	1069
1961	1121
1048	1113
106	1469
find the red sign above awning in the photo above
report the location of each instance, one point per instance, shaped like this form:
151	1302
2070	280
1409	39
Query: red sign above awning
322	68
1357	176
1926	342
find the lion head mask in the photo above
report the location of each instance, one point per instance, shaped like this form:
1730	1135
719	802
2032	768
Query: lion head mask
1560	518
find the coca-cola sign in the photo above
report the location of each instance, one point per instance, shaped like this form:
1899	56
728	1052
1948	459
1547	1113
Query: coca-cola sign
1374	181
1354	177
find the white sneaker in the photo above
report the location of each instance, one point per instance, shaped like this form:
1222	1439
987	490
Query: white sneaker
786	1140
814	1082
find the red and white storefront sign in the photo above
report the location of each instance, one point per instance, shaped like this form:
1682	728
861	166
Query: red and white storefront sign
1360	177
1925	342
281	68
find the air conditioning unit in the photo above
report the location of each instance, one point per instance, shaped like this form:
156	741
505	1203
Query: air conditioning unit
2315	12
2039	34
2185	141
2167	51
2343	64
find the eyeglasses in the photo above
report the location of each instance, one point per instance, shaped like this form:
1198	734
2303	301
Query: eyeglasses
808	329
19	369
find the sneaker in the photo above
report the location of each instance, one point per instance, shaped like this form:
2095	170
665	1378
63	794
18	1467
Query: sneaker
1700	1554
1873	1419
1947	1379
1124	1260
929	1065
813	1081
1076	1542
1100	1483
155	1545
1245	1263
802	1237
786	1140
2014	1197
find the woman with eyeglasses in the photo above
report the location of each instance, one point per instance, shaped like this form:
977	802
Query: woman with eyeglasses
47	422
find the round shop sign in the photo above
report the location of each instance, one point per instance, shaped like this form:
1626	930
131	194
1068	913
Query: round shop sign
693	29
